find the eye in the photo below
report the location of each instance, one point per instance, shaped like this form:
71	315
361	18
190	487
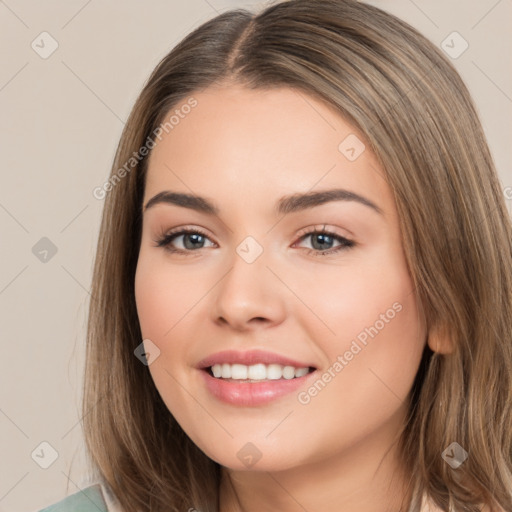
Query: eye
322	238
194	239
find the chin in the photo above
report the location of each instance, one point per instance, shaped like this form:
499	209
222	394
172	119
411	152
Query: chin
256	456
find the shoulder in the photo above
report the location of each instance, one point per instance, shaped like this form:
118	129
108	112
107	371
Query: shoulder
89	499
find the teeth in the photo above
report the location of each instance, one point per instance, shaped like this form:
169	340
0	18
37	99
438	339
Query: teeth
257	372
238	371
226	371
300	372
288	372
274	371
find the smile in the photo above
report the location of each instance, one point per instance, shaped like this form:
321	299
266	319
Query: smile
257	372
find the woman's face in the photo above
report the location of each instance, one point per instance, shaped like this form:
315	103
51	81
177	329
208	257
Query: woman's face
257	295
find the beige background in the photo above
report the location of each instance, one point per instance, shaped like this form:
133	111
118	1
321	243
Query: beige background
61	120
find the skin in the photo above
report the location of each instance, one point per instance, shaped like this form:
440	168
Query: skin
244	149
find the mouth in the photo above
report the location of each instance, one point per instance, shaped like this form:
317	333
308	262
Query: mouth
253	378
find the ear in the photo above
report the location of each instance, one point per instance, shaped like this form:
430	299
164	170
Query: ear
439	340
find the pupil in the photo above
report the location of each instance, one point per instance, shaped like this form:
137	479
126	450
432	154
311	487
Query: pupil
323	239
195	236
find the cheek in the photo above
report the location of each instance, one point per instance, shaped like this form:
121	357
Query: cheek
164	296
170	300
165	302
376	332
162	306
379	341
364	386
370	288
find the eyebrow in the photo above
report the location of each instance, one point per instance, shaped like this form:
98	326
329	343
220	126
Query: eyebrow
287	204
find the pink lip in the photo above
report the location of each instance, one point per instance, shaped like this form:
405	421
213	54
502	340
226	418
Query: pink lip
248	358
250	393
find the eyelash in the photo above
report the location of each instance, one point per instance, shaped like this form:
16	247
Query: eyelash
165	241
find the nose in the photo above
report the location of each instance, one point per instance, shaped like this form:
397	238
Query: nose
250	295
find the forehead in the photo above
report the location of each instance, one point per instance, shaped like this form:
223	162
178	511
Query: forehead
238	144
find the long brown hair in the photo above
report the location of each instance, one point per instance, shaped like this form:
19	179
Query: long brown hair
417	116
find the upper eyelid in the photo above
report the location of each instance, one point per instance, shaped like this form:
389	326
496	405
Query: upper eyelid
317	228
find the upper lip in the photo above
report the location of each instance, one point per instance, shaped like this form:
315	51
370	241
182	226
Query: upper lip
250	357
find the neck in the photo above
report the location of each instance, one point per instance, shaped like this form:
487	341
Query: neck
366	477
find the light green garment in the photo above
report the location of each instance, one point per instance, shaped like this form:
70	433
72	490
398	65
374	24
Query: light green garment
89	499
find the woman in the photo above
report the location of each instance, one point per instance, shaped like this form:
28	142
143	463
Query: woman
231	367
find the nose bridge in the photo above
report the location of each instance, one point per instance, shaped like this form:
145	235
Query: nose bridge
248	275
247	290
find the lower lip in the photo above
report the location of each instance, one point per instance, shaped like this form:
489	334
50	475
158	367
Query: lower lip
251	393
